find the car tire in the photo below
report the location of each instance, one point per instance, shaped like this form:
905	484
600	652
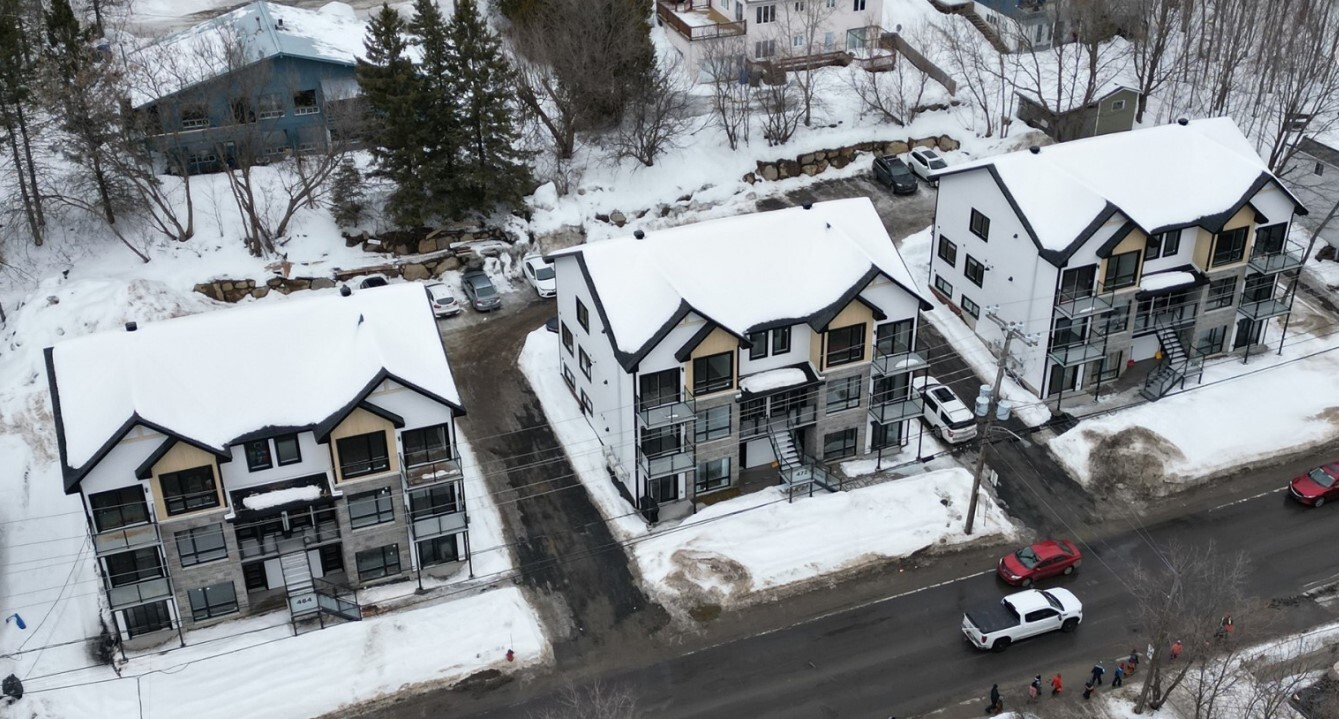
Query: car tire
1027	582
1320	501
1001	644
1069	570
1070	625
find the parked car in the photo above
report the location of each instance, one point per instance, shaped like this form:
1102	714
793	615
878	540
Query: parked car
442	300
926	163
539	273
479	291
892	171
1317	486
373	281
1018	616
948	417
1048	558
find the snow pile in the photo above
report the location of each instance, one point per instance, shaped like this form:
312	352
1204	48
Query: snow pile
274	498
773	379
1166	280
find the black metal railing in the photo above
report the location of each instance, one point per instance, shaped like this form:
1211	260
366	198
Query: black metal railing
1084	301
1288	255
898	362
656	412
1173	314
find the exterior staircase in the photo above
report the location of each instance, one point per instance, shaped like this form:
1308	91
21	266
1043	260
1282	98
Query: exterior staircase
783	448
968	11
1175	366
312	598
800	472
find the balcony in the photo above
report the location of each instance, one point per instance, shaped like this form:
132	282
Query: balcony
777	418
1266	308
657	413
667	461
1078	303
1075	346
440	524
1288	257
696	20
884	409
1172	315
129	595
897	363
418	469
263	538
124	538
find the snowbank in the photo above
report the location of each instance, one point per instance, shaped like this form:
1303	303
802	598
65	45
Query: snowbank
281	496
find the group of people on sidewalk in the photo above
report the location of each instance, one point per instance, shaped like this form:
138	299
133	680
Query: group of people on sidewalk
1124	668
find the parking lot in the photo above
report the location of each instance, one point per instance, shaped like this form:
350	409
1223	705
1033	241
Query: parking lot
902	214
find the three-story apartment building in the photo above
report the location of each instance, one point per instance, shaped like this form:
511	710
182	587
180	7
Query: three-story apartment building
239	460
1166	243
782	337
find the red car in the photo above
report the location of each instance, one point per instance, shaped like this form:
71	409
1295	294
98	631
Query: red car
1047	558
1316	486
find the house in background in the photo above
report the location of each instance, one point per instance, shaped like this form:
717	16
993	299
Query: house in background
1313	175
755	348
313	452
1083	244
1018	24
252	85
1113	111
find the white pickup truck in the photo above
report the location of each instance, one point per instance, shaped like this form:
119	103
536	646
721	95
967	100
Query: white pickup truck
1022	615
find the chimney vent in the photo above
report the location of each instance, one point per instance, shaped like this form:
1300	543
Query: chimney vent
808	205
639	234
345	291
1183	122
1034	150
280	23
131	327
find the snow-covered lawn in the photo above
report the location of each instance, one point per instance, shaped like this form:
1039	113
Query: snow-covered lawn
730	551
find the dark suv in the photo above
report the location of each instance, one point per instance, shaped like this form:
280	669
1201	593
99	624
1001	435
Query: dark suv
890	170
479	291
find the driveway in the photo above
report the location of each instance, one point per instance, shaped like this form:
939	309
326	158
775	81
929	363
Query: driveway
902	214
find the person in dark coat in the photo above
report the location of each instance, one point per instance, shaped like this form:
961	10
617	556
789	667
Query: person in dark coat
996	701
1034	689
1098	671
1119	677
1088	690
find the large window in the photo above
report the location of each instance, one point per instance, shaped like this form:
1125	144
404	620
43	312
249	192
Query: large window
1122	270
886	435
659	388
758	345
843	394
713	423
893	337
1077	283
845	345
363	454
147	618
426	444
438	550
369	508
202	544
980	225
1221	293
765	14
839	445
119	508
286	449
974	271
189	490
948	251
216	600
258	455
944	286
1269	240
1228	247
133	567
304	103
713	373
583	359
1211	341
780	340
433	501
712	475
970	307
378	563
1117	319
567	337
1163	244
583	316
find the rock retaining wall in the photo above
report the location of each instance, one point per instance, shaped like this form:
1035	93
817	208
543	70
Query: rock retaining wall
813	163
420	267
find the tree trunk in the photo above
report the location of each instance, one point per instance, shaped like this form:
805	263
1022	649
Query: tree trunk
38	215
28	210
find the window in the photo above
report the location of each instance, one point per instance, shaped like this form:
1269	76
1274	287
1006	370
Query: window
189	490
569	378
839	445
1269	240
845	345
193	117
304	103
426	444
242	110
797	41
119	508
584	361
764	48
287	450
658	389
1228	247
980	225
661	441
664	489
438	550
1320	169
1221	293
948	251
1211	342
202	544
971	307
843	394
369	508
134	567
583	316
712	475
332	558
712	423
433	501
780	340
765	13
147	618
270	107
757	345
943	286
363	454
258	455
799	7
1109	366
1163	244
858	5
586	406
829	37
1063	379
833	3
1118	319
1117	105
713	373
1122	270
974	271
886	435
567	337
378	563
215	600
253	575
893	337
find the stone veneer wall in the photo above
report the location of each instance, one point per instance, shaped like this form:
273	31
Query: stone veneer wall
813	163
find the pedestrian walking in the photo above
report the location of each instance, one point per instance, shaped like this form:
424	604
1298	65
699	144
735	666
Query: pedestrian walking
1134	662
996	701
1057	686
1034	689
1176	649
1225	627
1088	690
1119	677
1098	671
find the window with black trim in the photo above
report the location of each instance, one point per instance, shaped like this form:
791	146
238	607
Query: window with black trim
886	435
287	450
425	445
764	14
943	286
757	345
433	501
1162	244
971	307
378	563
1117	319
980	225
569	378
712	475
216	600
948	251
712	423
583	316
438	550
893	337
585	403
258	455
369	508
1269	240
363	454
147	618
583	359
201	544
1222	292
118	508
780	340
843	394
189	490
1211	341
567	337
1122	270
133	567
839	445
974	271
845	345
1228	247
713	373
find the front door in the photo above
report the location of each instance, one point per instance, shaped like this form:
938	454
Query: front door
1248	333
664	489
1063	379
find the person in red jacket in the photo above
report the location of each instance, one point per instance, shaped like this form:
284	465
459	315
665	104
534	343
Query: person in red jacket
1057	686
1176	649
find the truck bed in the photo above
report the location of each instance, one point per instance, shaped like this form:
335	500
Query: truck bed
993	617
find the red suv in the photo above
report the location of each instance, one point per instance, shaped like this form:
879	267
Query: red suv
1046	558
1316	486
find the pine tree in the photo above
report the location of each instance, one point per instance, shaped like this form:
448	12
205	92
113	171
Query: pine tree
346	195
395	117
16	79
441	122
493	170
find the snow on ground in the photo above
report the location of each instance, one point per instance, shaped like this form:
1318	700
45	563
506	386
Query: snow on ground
905	461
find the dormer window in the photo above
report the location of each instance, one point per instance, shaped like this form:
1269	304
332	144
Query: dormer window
258	455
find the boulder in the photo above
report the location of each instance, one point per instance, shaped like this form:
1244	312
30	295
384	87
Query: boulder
322	283
822	165
820	155
448	263
925	142
806	159
789	168
426	245
948	144
260	292
770	173
895	148
415	272
210	290
840	161
847	152
618	218
750	178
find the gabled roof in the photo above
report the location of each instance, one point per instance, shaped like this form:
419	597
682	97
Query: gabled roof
1072	103
739	273
217	378
1159	178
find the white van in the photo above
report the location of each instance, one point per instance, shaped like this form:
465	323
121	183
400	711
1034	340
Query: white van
947	416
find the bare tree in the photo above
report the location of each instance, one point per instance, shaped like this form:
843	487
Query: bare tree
1298	76
595	701
897	94
976	64
782	109
1154	57
658	116
805	37
555	105
1276	681
731	94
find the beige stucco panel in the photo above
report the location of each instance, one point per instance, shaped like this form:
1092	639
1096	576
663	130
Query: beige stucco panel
1245	217
1136	241
715	343
853	314
360	421
183	456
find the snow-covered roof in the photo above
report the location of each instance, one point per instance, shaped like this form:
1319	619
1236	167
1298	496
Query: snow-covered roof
773	379
741	272
1166	280
1159	177
276	497
215	377
264	29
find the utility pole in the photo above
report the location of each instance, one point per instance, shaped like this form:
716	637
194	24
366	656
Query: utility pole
1011	330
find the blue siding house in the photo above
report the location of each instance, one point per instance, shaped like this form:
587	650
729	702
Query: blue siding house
251	86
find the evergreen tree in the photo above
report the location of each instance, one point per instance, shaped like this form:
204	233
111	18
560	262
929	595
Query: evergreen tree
16	80
395	117
493	169
441	107
346	195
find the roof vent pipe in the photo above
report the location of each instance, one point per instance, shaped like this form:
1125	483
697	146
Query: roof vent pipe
1034	150
1183	122
345	291
280	23
131	327
808	205
639	234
